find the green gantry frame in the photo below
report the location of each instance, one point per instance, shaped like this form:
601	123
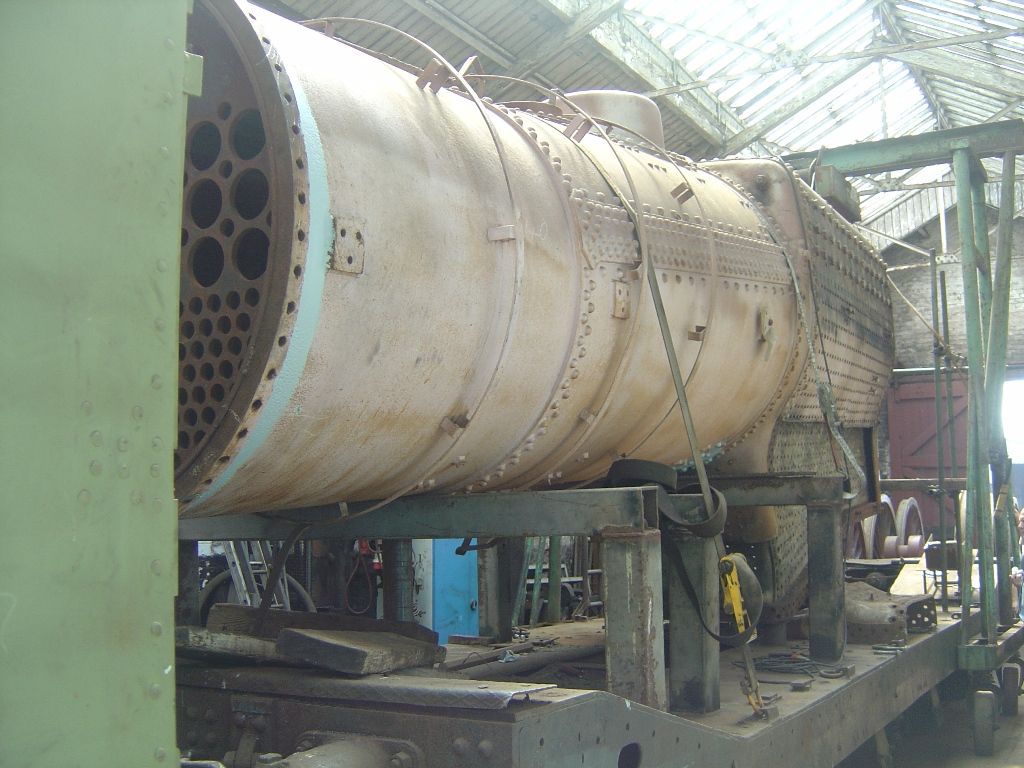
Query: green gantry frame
986	310
91	146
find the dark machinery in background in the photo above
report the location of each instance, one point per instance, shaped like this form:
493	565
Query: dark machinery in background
409	311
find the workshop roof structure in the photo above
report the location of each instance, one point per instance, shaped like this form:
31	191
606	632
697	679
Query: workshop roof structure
749	77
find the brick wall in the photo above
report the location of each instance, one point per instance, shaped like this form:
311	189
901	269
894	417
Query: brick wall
912	276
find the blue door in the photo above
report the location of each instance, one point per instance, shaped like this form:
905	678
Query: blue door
455	591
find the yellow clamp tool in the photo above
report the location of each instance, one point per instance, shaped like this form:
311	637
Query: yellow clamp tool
732	597
732	602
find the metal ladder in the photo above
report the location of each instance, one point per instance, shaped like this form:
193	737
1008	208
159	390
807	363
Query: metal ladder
249	565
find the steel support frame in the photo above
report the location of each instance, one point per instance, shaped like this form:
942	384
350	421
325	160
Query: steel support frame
625	521
986	304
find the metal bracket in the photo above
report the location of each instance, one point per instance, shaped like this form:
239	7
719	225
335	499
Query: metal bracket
349	248
472	65
434	76
620	303
578	128
465	546
454	425
192	82
501	232
682	193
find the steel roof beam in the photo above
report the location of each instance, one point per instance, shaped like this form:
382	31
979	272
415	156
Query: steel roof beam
451	23
638	53
964	70
780	115
871	52
933	148
938	107
595	14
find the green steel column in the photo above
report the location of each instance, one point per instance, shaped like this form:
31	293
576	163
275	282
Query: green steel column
995	374
940	458
982	251
90	207
954	465
554	612
979	514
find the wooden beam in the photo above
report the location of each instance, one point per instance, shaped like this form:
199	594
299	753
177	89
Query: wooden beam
354	653
241	620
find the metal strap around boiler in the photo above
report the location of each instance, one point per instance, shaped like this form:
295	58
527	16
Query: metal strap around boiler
440	63
659	305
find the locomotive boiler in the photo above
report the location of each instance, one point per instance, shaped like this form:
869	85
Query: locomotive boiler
393	285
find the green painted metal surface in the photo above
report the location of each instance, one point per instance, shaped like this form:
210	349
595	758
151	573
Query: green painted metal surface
91	151
930	148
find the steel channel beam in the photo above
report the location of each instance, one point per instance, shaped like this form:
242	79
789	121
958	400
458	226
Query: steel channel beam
522	513
483	515
932	148
765	490
982	657
924	484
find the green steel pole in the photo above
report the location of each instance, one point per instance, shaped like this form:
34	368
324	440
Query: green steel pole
979	497
940	461
954	466
554	614
982	251
519	603
538	576
995	373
